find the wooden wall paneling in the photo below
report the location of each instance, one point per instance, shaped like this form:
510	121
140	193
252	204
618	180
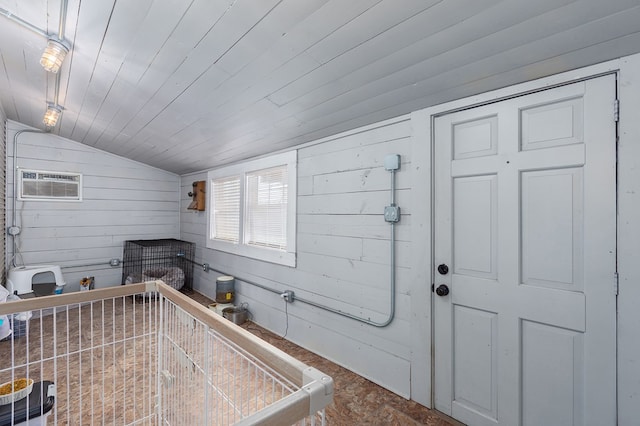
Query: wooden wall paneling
390	131
421	258
380	366
407	83
256	92
368	25
25	75
369	104
301	35
224	33
123	49
161	56
396	333
122	200
356	226
363	180
335	246
442	38
369	203
381	54
246	77
343	341
94	204
373	274
262	36
71	23
72	219
628	241
6	99
332	71
346	268
114	231
115	45
474	86
38	16
84	56
84	160
36	242
239	151
358	158
377	251
208	134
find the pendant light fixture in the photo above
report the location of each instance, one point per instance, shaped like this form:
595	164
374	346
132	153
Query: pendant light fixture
51	116
53	55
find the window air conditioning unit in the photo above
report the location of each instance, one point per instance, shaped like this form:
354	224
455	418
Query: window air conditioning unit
43	185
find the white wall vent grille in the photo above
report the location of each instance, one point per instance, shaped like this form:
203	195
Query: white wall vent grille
42	185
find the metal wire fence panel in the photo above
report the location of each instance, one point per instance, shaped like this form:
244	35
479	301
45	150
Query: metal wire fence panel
209	380
100	356
133	356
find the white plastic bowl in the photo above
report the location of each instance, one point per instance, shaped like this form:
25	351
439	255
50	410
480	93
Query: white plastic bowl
18	395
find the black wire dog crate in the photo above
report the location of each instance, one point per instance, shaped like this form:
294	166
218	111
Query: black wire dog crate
168	259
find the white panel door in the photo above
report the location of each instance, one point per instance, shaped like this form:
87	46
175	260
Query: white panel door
525	221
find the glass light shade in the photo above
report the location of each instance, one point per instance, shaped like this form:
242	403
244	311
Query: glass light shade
53	56
51	116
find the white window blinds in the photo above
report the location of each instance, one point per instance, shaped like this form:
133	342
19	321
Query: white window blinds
266	208
253	209
226	209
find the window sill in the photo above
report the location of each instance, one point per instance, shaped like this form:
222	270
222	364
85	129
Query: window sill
265	255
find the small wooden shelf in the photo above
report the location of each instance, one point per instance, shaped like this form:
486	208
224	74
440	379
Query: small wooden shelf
198	196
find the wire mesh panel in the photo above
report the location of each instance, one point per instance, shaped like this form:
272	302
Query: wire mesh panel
168	259
118	356
99	357
207	379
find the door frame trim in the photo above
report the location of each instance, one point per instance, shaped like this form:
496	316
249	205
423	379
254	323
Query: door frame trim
423	144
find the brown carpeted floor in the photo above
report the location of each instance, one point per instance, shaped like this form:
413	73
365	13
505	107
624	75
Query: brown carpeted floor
357	401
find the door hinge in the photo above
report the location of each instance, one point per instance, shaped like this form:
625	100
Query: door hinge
616	110
616	281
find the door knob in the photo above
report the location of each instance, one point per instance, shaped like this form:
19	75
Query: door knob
442	290
443	269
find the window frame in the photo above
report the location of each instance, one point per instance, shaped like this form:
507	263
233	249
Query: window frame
283	257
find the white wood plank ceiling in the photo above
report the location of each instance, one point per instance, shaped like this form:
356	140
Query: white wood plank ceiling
187	85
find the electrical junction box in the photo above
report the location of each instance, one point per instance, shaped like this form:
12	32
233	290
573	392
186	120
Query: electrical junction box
392	213
392	162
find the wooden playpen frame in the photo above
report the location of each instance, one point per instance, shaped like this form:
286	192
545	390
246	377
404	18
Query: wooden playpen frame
147	354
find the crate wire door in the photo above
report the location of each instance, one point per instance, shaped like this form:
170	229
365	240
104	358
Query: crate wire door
117	355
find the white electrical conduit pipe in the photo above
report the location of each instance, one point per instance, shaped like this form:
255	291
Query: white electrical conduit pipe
14	198
24	23
392	285
61	28
31	27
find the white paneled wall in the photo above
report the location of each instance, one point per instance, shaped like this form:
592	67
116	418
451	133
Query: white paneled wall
342	244
343	257
122	200
629	241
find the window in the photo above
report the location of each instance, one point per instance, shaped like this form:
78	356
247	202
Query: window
226	199
252	210
41	185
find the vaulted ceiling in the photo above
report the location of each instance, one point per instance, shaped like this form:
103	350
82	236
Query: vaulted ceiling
187	85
